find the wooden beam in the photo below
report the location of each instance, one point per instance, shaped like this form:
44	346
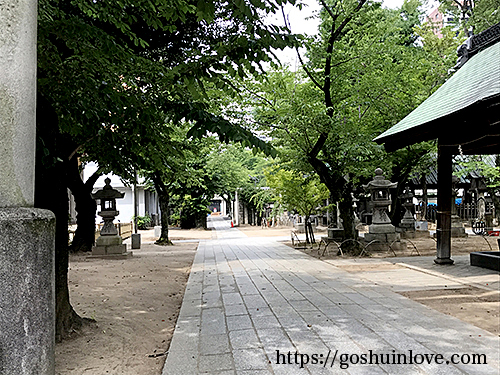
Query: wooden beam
443	232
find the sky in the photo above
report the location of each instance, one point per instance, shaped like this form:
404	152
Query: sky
302	23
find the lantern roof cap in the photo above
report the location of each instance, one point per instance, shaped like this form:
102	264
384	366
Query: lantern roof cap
379	181
107	192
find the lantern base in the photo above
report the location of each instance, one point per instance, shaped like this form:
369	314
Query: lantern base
382	228
110	246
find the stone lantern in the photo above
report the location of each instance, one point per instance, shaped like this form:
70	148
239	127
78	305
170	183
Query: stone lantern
109	242
381	230
407	223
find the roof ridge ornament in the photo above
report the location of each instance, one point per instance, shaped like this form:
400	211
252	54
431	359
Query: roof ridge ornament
476	43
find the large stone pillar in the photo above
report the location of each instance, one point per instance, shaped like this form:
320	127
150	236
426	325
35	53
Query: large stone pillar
17	102
26	234
443	232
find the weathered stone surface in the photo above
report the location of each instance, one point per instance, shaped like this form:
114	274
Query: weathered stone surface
116	249
157	231
109	240
382	237
110	250
110	246
17	102
458	232
457	228
27	323
136	240
99	250
382	228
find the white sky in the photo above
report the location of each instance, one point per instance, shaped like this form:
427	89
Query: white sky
304	22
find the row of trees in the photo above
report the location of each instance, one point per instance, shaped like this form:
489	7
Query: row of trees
126	84
137	86
367	68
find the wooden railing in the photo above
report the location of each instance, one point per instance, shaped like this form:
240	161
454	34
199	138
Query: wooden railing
466	211
124	229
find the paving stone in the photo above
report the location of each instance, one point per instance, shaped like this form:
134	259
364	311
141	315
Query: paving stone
326	370
259	311
283	310
247	289
366	370
235	310
303	305
238	322
273	339
216	362
229	289
244	339
265	321
232	299
292	321
214	344
250	359
254	372
255	301
213	322
213	289
191	308
181	362
282	369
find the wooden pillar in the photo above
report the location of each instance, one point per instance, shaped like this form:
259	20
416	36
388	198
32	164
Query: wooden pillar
443	233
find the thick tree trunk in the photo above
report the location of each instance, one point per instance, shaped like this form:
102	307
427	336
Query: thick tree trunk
51	193
347	212
306	229
164	200
164	208
229	211
85	207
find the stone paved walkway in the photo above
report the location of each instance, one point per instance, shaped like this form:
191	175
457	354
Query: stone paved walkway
248	298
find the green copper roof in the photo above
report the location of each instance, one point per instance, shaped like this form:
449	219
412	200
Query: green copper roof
477	80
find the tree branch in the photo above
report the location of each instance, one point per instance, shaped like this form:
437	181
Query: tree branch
92	179
335	32
309	74
329	10
318	145
260	97
348	19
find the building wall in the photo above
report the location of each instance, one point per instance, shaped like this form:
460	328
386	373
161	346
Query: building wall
125	206
435	18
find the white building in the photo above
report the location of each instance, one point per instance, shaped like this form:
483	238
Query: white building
147	199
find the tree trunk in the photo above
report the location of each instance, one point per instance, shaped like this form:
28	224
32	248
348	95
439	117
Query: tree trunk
229	211
347	212
85	206
164	200
306	229
51	193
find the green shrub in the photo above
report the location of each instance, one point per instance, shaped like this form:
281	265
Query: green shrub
143	222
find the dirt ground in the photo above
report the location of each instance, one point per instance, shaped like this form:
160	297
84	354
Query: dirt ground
473	305
136	301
